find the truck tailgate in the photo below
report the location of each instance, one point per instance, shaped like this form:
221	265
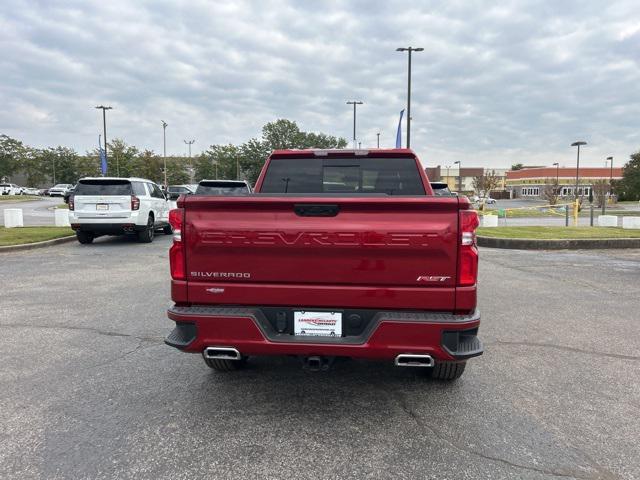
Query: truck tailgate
262	250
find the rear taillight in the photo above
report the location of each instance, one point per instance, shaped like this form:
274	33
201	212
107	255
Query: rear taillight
176	252
468	251
135	203
71	205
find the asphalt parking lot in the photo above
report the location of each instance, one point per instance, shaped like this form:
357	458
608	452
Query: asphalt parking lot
89	390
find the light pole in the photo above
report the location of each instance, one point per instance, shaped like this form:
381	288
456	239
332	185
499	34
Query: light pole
164	150
378	134
104	126
354	103
578	144
557	165
610	159
448	167
410	50
190	142
459	175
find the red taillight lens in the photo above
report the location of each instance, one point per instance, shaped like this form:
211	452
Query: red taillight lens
467	251
175	219
71	204
135	203
176	252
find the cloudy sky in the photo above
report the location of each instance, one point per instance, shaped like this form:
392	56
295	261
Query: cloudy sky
498	82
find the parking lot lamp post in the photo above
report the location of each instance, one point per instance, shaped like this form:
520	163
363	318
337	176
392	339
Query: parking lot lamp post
378	134
577	144
459	175
448	167
190	142
409	50
164	150
610	159
54	169
104	126
575	212
354	103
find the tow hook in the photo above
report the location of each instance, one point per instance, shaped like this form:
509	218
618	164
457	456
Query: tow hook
317	363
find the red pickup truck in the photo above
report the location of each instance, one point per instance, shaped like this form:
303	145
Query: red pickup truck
338	253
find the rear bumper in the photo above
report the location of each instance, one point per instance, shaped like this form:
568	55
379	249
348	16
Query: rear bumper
107	228
444	336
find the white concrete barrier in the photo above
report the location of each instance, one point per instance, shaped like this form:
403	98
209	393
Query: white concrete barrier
62	217
608	221
13	217
631	222
489	220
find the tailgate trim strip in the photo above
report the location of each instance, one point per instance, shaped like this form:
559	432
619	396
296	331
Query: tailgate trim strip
179	313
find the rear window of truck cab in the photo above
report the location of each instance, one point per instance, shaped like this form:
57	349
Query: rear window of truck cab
387	176
220	187
103	187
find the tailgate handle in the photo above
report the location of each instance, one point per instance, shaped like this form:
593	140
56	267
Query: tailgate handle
316	210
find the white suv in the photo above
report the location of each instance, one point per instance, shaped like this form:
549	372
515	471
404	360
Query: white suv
9	189
117	206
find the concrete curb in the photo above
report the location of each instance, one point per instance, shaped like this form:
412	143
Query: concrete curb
31	246
575	244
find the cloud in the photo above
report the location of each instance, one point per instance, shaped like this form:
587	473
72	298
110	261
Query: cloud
497	83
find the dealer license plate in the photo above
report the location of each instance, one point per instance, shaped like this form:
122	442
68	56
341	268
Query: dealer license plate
102	206
317	324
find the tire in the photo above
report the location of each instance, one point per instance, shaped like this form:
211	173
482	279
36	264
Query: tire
447	370
146	235
167	230
84	237
225	365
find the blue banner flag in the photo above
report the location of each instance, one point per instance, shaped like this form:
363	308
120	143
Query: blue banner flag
399	134
103	158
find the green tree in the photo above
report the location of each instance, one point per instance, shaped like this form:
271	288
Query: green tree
121	159
252	157
12	152
517	166
148	165
177	173
88	165
282	134
220	158
321	140
629	187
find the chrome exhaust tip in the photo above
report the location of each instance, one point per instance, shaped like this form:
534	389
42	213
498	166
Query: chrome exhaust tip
221	353
414	360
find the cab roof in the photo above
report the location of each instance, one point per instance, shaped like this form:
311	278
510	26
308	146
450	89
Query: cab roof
343	152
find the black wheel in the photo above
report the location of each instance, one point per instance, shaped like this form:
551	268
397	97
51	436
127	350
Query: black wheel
446	370
146	235
225	365
167	230
84	237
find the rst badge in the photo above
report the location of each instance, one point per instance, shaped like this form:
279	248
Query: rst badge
432	278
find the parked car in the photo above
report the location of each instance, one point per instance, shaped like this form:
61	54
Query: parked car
223	187
68	194
441	189
9	189
486	200
381	270
117	206
174	191
59	190
31	191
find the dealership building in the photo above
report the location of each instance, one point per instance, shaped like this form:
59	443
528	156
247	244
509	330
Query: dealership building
531	182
